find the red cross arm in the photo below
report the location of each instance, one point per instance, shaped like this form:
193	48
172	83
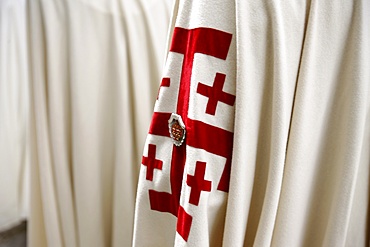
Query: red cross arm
203	40
210	138
166	82
159	124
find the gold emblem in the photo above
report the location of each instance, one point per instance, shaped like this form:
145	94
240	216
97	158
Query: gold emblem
177	129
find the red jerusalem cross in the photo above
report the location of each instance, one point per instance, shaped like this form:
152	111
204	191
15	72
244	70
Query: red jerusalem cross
198	183
188	42
151	162
215	94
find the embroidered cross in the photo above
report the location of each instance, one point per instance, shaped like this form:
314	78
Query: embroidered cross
151	162
198	183
215	94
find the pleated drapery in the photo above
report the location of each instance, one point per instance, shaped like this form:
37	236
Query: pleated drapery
95	70
301	149
14	113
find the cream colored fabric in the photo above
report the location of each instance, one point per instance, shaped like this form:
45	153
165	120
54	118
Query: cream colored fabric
14	98
174	207
300	174
301	164
95	69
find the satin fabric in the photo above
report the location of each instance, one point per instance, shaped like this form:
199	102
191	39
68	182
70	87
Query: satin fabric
300	162
14	113
300	175
95	69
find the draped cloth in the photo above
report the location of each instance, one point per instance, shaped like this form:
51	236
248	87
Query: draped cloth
14	97
95	69
282	90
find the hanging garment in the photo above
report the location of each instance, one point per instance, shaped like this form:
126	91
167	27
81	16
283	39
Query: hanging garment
14	103
260	132
95	69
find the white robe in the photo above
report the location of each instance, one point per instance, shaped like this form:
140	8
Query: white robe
95	69
300	155
14	112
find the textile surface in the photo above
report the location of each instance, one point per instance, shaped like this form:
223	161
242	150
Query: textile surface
95	69
14	113
274	97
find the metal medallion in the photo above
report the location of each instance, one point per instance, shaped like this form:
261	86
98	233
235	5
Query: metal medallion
177	129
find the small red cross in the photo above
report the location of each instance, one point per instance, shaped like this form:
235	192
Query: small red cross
198	183
151	162
165	83
215	94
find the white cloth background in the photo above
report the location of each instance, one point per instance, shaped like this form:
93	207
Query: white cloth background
300	175
14	85
301	164
95	69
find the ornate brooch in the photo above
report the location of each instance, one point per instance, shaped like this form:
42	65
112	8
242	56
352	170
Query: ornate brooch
176	128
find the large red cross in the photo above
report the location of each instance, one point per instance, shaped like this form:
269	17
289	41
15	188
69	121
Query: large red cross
151	162
200	135
198	183
215	94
